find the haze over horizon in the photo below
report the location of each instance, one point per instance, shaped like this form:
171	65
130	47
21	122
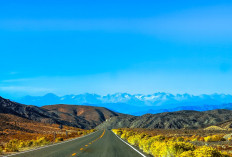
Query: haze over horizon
109	47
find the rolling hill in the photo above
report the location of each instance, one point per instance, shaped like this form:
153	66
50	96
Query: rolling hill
171	120
86	117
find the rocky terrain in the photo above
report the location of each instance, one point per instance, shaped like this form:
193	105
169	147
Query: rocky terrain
170	120
79	113
86	117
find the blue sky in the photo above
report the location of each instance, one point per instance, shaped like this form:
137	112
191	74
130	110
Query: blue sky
72	47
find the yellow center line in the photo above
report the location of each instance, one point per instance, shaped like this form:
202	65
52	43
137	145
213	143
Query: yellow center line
91	142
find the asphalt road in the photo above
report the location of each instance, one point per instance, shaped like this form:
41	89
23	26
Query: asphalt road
99	144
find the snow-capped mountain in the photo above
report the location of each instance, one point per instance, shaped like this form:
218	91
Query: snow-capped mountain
137	103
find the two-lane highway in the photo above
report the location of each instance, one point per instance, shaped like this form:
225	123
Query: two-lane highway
99	144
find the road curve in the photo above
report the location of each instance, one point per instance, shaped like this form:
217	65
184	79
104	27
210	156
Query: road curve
99	144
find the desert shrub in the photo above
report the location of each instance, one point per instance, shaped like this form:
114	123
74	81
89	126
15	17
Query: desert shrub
127	134
158	149
207	151
28	143
214	138
40	141
208	139
145	144
123	136
135	139
159	138
117	131
22	144
180	139
12	146
59	139
194	139
177	148
1	150
187	154
170	148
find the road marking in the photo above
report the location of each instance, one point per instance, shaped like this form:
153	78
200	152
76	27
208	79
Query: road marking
130	146
49	145
95	139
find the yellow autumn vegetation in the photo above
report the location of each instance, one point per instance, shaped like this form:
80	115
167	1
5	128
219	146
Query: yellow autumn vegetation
214	138
1	150
15	145
161	146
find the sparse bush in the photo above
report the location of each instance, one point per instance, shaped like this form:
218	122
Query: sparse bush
12	146
59	139
214	138
41	141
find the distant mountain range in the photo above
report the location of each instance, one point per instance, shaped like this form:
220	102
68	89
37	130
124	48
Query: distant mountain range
137	104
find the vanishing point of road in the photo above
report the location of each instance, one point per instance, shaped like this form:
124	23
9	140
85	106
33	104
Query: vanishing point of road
102	143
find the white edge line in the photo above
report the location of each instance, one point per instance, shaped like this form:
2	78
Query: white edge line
130	146
48	145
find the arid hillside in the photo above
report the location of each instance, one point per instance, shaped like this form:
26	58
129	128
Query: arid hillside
85	117
14	127
171	120
73	113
